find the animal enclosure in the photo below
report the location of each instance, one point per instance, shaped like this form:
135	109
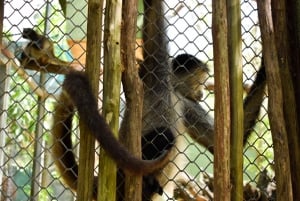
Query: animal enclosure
29	91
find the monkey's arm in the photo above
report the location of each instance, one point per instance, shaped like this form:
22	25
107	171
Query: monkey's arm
253	101
200	125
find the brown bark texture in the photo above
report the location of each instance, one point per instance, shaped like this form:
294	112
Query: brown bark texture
111	95
283	44
276	114
131	127
222	103
87	141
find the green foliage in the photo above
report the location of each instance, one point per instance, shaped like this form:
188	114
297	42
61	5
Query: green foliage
22	111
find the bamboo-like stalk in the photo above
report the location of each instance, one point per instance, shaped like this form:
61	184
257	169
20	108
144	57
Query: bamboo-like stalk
131	127
111	94
87	141
236	98
222	185
275	110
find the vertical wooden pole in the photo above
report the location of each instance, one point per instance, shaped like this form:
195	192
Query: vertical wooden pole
283	46
275	110
111	93
4	98
222	102
87	141
236	98
131	127
293	27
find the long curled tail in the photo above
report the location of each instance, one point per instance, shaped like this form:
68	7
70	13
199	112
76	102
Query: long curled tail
77	93
62	149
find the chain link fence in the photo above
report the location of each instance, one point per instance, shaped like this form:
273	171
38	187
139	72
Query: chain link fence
27	171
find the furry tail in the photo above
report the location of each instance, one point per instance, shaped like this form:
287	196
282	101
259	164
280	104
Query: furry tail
76	86
62	149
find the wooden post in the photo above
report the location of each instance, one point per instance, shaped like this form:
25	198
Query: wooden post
236	98
222	186
283	45
87	141
111	94
275	110
131	126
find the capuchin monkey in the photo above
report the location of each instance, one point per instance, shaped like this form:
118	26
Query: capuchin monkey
171	107
39	50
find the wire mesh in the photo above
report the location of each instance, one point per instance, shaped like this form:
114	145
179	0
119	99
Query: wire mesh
28	172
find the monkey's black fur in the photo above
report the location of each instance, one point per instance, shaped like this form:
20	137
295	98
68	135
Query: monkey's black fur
77	86
36	39
156	142
186	64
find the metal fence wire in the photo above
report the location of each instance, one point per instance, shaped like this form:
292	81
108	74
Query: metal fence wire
28	96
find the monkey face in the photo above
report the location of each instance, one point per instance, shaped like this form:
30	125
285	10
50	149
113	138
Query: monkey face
190	85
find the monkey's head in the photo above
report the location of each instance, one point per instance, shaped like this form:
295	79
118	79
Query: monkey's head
186	63
30	34
189	75
37	40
